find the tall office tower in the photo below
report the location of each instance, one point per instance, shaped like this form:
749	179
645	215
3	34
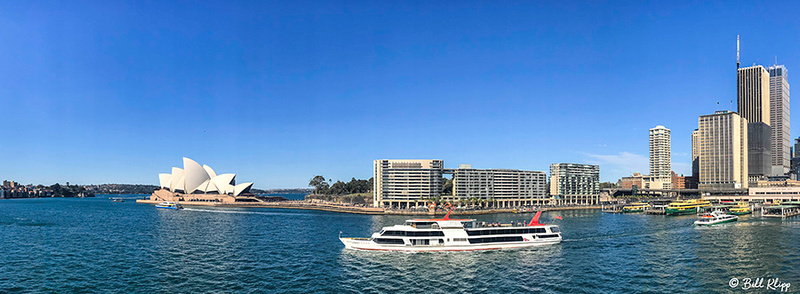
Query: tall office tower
575	183
752	95
753	104
696	153
794	169
402	183
660	158
723	151
779	119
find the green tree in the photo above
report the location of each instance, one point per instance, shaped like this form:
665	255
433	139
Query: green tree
319	184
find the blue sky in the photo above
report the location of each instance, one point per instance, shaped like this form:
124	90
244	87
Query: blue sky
116	92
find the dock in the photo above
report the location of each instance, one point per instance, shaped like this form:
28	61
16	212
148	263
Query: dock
784	210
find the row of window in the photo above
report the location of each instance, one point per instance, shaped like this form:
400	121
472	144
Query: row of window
495	240
506	231
414	234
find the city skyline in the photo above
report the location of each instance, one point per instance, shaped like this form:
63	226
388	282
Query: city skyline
112	93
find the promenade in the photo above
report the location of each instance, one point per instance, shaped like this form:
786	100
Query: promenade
361	210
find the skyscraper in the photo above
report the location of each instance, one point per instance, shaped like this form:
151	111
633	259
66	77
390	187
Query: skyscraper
723	151
779	119
660	158
753	104
696	153
753	94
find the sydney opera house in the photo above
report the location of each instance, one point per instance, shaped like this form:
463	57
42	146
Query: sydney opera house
196	183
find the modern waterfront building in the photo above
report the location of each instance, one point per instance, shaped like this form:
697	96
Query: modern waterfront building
696	153
795	167
505	187
753	104
759	148
779	119
660	158
573	183
402	183
196	183
723	151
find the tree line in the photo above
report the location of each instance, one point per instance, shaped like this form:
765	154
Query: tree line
325	187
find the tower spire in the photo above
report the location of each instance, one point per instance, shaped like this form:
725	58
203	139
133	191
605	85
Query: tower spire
737	51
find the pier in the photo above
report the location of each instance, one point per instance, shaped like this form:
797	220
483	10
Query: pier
787	209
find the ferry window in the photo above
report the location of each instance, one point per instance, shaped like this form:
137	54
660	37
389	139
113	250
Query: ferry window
389	241
393	233
468	225
555	229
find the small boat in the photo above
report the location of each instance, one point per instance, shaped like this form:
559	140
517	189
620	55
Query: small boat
741	208
117	200
169	205
713	218
636	207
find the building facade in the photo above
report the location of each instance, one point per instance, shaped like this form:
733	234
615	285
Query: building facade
779	119
402	183
759	150
660	157
634	180
573	183
696	153
753	104
723	151
506	187
752	94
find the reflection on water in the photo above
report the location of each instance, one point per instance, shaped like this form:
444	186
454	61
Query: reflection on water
94	245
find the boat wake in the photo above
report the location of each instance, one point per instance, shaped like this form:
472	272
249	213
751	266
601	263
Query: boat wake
237	211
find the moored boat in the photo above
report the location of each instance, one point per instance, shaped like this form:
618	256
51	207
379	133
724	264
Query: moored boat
741	208
445	234
686	207
169	205
636	207
715	217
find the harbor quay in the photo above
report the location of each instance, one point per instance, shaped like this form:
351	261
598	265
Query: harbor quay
344	208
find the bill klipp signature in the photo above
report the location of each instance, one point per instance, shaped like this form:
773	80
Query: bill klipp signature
760	283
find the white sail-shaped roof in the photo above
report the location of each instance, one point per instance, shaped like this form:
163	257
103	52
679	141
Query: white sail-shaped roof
210	171
165	180
195	175
176	183
241	188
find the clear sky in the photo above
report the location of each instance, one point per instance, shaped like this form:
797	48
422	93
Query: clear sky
277	92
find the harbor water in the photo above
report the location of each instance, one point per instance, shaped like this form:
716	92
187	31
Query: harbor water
94	245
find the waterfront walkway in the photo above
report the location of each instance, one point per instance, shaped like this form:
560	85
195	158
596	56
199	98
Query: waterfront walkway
363	210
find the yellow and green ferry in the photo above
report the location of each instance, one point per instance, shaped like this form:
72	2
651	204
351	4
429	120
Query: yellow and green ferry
686	207
635	207
740	209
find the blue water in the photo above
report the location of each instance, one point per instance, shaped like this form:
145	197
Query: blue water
98	246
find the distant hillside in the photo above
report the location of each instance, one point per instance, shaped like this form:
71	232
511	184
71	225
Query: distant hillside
121	189
282	191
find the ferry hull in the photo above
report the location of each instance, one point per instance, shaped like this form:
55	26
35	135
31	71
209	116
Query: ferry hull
680	211
715	223
365	244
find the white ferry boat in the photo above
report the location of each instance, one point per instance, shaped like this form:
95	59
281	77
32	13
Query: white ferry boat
713	218
445	234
